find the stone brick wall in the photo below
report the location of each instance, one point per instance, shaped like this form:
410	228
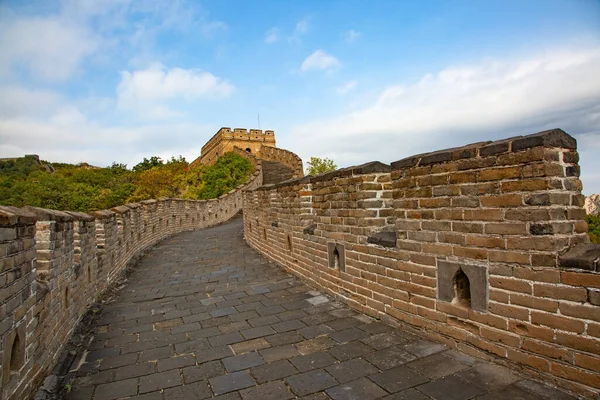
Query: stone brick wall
54	264
484	247
284	157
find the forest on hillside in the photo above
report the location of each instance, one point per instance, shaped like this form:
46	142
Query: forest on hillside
81	187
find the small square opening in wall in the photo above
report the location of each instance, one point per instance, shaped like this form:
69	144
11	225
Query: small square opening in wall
336	255
463	284
462	289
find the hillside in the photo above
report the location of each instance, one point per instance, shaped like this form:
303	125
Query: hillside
26	181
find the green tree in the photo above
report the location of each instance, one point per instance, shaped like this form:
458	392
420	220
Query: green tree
594	227
147	164
318	166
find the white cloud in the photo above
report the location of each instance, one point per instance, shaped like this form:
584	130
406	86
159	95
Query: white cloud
351	35
145	89
50	48
302	27
18	101
346	87
459	105
272	36
68	136
320	60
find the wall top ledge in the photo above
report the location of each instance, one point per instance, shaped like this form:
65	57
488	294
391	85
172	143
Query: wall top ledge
44	214
80	216
103	214
121	209
550	138
11	216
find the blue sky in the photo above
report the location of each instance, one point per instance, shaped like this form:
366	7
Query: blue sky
117	80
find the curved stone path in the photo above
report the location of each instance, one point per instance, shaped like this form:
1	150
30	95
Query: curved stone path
203	315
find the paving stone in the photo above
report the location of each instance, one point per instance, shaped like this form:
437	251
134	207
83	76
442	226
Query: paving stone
510	393
274	371
193	326
244	361
350	350
176	362
97	378
383	340
460	357
257	332
250	345
408	394
162	380
316	396
361	389
198	390
134	371
203	371
230	382
399	378
156	354
284	338
225	339
311	382
103	353
423	348
204	333
316	344
262	321
214	353
115	390
451	387
290	325
348	335
233	327
221	312
312	361
389	358
343	323
118	361
316	330
278	353
351	370
436	366
269	391
150	396
546	391
192	346
489	376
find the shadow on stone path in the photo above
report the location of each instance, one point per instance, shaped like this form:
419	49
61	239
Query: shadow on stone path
203	315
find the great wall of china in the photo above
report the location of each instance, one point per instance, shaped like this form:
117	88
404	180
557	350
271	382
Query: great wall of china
483	247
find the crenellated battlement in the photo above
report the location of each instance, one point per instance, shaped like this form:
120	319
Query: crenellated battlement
226	139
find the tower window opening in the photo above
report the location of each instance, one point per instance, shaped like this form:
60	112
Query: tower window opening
462	289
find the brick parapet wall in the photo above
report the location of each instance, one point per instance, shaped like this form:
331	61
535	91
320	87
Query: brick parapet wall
284	157
395	242
54	264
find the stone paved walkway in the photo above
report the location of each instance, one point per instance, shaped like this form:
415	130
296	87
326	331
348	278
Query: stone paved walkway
204	315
